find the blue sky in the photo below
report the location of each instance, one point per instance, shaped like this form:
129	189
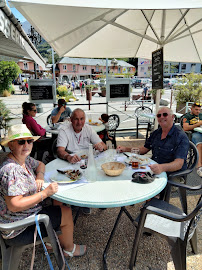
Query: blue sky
16	13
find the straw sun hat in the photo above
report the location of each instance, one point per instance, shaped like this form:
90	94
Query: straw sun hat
16	132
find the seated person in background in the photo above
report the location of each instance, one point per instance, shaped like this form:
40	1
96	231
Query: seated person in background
42	145
169	145
29	111
21	180
77	136
192	120
61	112
104	134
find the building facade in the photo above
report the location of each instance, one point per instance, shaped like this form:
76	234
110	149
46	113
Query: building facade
171	69
83	68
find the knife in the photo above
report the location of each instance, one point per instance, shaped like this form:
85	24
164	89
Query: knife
63	172
126	155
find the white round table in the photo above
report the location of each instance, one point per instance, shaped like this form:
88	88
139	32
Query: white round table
107	191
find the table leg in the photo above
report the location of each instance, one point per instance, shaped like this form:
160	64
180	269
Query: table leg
123	209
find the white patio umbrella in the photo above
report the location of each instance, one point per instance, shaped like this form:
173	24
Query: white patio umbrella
117	28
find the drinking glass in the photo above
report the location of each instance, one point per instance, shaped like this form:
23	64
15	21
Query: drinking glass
134	158
135	152
83	166
90	118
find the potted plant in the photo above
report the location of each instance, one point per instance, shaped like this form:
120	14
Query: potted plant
153	93
103	91
4	116
88	92
188	89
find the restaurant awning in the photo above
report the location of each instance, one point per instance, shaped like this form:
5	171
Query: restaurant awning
14	43
118	29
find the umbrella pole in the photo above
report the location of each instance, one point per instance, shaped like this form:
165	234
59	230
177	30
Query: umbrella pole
157	106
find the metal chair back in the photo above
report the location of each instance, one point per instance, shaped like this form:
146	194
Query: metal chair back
192	160
113	122
142	121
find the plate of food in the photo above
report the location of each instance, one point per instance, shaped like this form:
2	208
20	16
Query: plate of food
142	160
66	176
95	124
83	156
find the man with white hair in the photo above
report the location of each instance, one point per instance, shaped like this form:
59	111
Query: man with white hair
169	145
76	136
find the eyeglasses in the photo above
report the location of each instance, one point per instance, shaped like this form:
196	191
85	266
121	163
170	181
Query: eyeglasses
33	110
165	114
22	142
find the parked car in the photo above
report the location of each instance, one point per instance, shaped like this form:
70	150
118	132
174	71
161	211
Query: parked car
172	82
139	82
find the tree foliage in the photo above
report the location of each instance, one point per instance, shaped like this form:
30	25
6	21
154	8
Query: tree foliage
9	71
188	88
45	50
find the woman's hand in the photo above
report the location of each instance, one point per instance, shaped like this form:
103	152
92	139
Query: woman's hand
39	183
51	189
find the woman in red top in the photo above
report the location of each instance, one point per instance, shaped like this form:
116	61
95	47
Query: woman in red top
43	144
29	111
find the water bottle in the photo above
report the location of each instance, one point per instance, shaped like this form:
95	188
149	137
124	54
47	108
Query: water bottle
91	166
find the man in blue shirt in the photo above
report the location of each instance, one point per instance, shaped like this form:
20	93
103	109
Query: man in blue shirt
61	112
169	145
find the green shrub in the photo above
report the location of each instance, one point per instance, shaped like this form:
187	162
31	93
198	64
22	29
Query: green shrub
9	71
62	90
11	89
188	88
4	115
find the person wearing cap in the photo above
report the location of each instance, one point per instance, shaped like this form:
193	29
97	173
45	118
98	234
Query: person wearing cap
61	112
21	180
169	145
193	120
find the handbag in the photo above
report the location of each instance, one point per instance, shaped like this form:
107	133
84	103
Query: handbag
37	229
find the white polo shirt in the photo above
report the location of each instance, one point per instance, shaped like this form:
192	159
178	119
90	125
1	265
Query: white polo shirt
75	142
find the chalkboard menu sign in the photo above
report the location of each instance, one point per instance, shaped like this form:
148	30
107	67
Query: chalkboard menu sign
157	69
41	91
118	89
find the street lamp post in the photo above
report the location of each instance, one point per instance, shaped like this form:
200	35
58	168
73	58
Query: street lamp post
35	38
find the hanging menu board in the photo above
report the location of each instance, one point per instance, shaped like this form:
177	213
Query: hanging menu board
157	69
118	89
41	91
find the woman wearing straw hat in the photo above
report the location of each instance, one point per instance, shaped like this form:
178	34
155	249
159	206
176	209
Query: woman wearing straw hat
21	180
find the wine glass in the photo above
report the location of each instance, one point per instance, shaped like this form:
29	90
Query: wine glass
83	166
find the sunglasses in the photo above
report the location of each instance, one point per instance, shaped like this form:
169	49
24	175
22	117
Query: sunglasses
33	110
165	114
22	142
